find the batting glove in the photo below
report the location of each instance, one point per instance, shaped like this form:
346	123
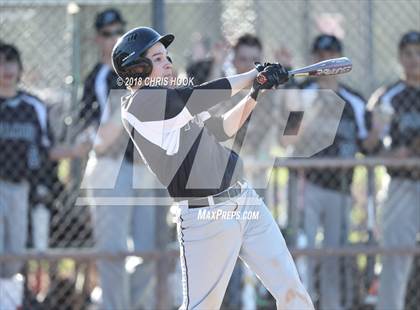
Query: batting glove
271	76
260	67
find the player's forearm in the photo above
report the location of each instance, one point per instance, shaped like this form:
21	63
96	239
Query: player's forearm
59	152
241	81
234	119
372	141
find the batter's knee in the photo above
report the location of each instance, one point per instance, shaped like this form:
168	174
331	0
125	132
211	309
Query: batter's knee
294	298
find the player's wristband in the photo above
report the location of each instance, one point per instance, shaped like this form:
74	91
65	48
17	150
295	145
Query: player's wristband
253	95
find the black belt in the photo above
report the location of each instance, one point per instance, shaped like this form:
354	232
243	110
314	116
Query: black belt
229	193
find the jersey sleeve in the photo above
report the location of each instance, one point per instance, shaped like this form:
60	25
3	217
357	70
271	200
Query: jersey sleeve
90	112
176	106
360	117
39	152
41	112
363	119
49	132
362	124
377	108
373	109
112	111
202	97
374	99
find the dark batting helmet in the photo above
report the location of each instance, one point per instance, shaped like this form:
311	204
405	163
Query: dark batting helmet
128	55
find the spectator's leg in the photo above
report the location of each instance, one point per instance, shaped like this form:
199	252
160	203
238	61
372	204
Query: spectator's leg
143	281
336	220
232	298
399	223
112	227
265	252
2	226
16	225
313	197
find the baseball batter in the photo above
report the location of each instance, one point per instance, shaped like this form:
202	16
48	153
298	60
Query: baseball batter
179	141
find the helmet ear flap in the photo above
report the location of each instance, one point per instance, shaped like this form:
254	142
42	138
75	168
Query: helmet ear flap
146	66
142	68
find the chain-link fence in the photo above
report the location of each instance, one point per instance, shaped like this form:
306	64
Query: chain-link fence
66	278
351	224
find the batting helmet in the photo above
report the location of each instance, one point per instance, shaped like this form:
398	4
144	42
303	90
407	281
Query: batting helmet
128	54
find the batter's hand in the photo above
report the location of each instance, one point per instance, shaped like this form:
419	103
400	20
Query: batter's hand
271	76
260	67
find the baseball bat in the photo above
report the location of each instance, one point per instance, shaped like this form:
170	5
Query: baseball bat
327	67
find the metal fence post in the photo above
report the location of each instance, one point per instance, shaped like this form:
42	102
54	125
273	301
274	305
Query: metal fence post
306	34
158	15
293	216
370	66
161	226
73	10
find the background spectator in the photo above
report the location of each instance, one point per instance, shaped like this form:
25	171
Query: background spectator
396	124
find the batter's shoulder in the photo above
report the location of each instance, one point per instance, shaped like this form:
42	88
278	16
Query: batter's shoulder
390	88
37	106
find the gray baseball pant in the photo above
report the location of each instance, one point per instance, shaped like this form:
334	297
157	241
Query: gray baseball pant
13	223
113	225
210	247
328	209
400	222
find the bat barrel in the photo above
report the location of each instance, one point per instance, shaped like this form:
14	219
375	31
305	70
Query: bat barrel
327	67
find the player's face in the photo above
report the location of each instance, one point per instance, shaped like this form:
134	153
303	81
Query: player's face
9	72
108	36
162	67
245	57
410	60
